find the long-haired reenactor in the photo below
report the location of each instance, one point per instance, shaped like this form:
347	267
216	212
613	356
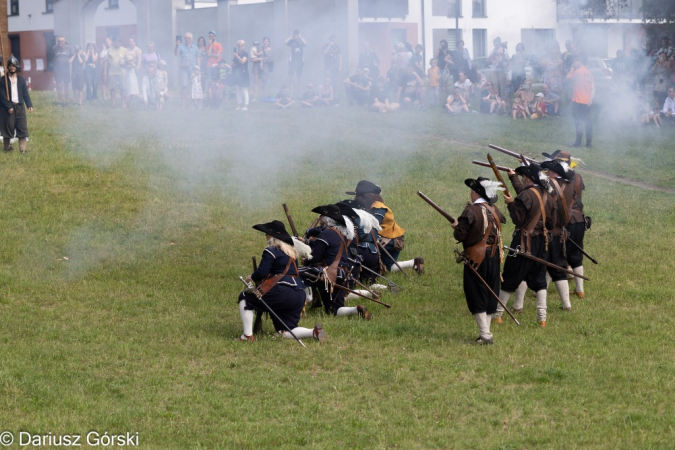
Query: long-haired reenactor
478	228
280	286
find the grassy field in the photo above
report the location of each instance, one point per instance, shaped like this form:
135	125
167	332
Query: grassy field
124	232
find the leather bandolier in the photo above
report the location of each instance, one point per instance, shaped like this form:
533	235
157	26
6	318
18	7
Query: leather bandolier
527	231
272	281
566	206
476	253
331	272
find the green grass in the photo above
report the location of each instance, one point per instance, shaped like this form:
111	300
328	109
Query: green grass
135	330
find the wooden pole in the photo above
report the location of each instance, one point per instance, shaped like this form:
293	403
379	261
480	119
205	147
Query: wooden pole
4	38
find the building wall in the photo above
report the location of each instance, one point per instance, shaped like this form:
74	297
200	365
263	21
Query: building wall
196	21
31	17
124	15
34	47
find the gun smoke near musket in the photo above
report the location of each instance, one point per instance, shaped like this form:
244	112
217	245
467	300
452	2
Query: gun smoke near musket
290	220
518	156
259	297
518	252
486	164
467	263
436	207
498	175
593	260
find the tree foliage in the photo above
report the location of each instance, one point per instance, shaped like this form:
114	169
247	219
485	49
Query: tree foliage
653	11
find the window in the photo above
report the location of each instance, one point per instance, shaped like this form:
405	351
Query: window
113	4
14	7
446	8
479	8
49	6
479	43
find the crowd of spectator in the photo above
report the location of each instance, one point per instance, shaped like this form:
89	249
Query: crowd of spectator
451	80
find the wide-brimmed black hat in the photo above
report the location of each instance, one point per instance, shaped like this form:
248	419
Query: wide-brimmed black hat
478	188
532	172
347	210
355	204
331	211
560	155
365	187
276	229
556	167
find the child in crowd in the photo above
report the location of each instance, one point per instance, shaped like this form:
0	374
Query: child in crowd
539	107
308	99
197	92
456	103
434	75
161	85
284	99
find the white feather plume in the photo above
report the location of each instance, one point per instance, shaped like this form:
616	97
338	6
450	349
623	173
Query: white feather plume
543	180
303	249
348	230
565	166
491	187
368	221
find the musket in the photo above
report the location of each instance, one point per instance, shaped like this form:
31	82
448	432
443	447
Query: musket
498	175
511	153
484	164
466	262
392	258
316	221
290	220
518	252
524	160
436	207
346	289
593	260
375	294
391	283
272	312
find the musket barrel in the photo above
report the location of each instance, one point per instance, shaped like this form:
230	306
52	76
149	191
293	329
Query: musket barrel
436	207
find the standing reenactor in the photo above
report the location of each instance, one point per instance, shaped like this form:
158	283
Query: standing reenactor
280	287
479	231
392	236
328	268
533	212
561	179
578	222
13	112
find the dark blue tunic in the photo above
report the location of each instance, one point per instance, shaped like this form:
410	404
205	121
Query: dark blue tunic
324	251
286	298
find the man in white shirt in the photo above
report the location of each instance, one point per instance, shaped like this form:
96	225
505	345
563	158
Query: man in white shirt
668	111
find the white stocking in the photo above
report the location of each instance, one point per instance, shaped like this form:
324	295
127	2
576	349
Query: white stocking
541	305
404	265
246	318
504	297
563	288
363	292
300	332
519	298
483	325
347	311
579	282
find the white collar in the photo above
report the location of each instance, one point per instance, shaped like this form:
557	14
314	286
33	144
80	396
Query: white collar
480	200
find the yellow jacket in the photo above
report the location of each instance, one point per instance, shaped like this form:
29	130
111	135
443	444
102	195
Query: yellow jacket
390	229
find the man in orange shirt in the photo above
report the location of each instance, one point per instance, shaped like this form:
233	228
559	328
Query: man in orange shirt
583	91
214	51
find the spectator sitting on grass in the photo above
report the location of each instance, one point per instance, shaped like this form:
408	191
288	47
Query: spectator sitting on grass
491	103
456	103
379	98
552	101
284	99
480	83
464	84
326	96
310	96
643	113
358	88
539	107
668	111
413	92
522	100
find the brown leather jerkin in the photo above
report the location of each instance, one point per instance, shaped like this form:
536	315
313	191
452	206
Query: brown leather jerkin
476	253
527	230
